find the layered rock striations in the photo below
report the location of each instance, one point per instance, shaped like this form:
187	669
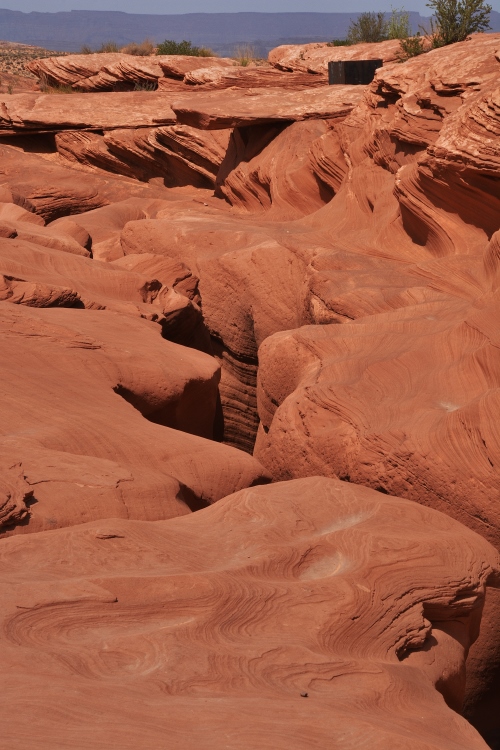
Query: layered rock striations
290	633
317	267
116	71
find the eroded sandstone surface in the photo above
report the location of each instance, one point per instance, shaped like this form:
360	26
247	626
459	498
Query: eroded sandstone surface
274	638
246	261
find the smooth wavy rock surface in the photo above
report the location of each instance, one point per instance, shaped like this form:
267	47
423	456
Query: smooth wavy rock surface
304	614
97	408
411	408
314	58
291	176
234	108
351	260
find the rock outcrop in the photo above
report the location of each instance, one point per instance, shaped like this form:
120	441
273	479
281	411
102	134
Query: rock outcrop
40	112
233	108
314	58
177	154
115	71
106	418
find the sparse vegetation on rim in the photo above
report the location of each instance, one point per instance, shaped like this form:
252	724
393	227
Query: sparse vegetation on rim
244	54
452	21
171	47
376	27
48	88
141	49
13	57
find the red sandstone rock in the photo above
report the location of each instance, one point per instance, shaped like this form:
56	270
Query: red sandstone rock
405	256
234	108
303	614
289	177
118	71
193	156
44	237
50	190
314	58
71	69
177	66
45	112
248	77
89	402
177	154
36	276
168	271
126	152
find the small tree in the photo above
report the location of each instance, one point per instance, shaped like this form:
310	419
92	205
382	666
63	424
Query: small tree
457	19
369	27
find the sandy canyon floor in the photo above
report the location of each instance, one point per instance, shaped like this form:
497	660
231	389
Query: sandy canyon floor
250	399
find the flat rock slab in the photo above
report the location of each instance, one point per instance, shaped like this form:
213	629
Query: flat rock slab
100	111
257	77
256	106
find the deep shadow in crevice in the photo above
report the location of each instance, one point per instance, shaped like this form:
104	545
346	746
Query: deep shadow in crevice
192	501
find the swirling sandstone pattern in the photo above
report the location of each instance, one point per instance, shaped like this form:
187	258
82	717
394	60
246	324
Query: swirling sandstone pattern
341	243
287	634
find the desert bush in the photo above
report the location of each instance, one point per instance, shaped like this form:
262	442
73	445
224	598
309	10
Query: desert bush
413	46
86	50
339	43
244	54
146	86
49	88
455	20
142	49
170	47
398	25
369	27
108	47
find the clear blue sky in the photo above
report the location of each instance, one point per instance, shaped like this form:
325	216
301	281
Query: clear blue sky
219	6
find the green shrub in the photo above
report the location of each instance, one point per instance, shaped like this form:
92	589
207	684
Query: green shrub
339	43
170	47
413	46
370	27
455	20
398	25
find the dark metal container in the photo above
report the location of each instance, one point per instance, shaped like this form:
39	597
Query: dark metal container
352	71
